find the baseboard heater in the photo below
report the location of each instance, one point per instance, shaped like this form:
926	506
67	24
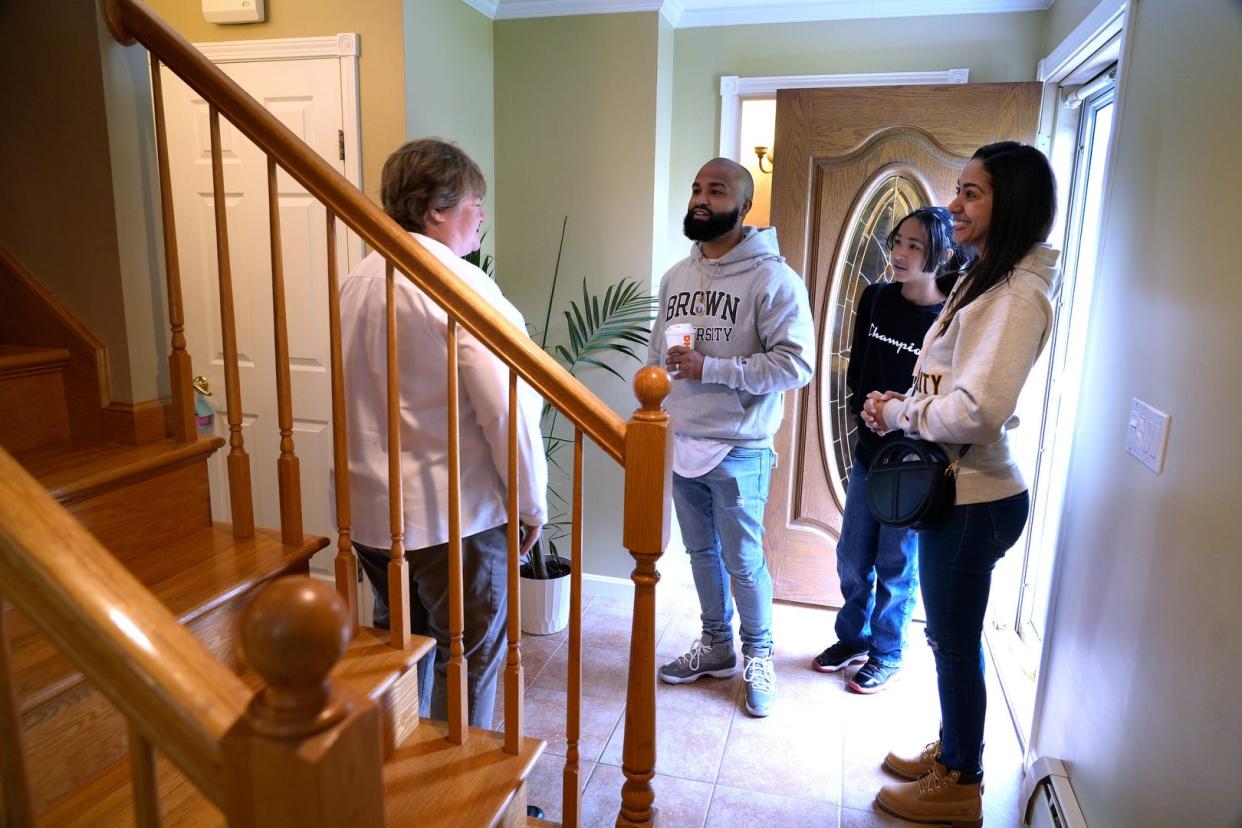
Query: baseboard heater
1049	798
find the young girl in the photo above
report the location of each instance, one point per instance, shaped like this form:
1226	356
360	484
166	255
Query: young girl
973	364
876	563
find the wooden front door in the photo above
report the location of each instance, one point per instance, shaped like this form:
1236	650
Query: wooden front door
851	162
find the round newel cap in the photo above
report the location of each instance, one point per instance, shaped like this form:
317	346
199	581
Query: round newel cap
293	633
651	386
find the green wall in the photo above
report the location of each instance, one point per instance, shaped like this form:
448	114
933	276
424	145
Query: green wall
576	120
1146	659
995	47
448	84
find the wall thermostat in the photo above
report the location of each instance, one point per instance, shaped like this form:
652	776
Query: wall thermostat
233	11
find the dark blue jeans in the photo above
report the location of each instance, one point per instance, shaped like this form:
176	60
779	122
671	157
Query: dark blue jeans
877	566
484	640
955	568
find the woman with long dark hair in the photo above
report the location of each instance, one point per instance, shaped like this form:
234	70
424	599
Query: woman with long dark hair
972	366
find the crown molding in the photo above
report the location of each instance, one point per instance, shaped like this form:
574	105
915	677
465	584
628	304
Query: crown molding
697	13
519	9
487	7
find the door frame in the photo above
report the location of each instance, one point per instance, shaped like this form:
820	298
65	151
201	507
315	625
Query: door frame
735	88
1109	18
344	47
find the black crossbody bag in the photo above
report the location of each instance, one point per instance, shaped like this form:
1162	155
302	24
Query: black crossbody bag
912	483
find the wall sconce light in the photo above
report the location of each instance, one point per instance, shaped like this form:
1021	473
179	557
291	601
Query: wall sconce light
765	154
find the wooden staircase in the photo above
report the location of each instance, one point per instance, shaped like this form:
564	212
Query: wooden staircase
149	505
125	610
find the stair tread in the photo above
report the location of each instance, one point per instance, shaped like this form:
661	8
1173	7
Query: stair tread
430	782
76	469
427	782
108	800
21	358
370	665
204	569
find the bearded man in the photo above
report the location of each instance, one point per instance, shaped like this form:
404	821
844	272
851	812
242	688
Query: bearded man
753	340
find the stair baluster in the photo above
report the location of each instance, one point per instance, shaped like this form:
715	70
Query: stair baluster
180	371
287	468
143	777
515	682
398	567
240	502
346	562
455	681
648	495
18	808
571	784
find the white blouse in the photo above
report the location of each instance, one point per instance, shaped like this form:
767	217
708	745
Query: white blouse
483	410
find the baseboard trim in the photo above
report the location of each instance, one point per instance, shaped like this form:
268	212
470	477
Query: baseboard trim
135	424
604	586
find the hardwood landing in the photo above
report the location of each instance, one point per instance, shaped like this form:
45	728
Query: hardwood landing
430	782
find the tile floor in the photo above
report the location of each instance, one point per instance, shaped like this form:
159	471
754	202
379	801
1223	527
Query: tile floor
814	762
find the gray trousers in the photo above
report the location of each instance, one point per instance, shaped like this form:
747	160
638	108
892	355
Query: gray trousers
484	640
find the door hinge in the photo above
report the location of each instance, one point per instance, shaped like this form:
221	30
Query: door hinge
340	140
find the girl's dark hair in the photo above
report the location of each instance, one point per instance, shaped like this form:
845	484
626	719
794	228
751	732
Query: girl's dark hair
937	223
1024	203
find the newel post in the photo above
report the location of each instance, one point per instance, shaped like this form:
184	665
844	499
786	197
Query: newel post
648	502
308	751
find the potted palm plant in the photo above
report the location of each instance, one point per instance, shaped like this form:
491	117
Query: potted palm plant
596	327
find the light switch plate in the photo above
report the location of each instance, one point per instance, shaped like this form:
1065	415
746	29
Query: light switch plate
1147	434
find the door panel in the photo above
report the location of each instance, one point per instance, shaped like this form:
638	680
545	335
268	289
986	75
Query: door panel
305	95
838	149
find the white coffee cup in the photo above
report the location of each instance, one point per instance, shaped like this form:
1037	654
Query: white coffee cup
681	334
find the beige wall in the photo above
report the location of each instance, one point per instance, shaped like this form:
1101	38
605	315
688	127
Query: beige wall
381	76
576	120
57	213
1146	659
995	47
448	84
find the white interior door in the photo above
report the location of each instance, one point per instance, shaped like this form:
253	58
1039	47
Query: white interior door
306	96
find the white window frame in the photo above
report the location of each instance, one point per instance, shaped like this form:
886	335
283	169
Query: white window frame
1107	20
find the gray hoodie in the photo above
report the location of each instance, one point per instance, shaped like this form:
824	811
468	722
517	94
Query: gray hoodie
966	382
754	330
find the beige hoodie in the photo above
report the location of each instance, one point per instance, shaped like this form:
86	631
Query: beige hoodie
966	382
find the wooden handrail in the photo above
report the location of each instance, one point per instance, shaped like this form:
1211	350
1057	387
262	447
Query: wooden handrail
132	20
126	643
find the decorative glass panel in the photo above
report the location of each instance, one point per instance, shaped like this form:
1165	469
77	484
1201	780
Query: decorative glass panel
862	261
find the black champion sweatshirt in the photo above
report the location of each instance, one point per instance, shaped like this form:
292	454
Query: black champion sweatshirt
888	333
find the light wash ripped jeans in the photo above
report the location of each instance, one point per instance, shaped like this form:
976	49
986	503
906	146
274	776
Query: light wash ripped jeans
721	518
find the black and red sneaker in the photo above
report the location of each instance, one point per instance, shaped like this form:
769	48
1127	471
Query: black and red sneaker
872	677
837	656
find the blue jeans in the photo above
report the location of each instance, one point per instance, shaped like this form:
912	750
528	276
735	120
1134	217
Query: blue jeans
955	567
721	518
877	566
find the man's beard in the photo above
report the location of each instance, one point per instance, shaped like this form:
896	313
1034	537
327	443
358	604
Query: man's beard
710	228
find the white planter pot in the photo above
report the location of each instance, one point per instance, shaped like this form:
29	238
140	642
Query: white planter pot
545	605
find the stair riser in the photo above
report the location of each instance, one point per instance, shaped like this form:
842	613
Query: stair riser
399	710
148	515
32	409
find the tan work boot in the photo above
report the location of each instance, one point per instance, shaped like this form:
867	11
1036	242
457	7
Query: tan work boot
936	797
913	767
